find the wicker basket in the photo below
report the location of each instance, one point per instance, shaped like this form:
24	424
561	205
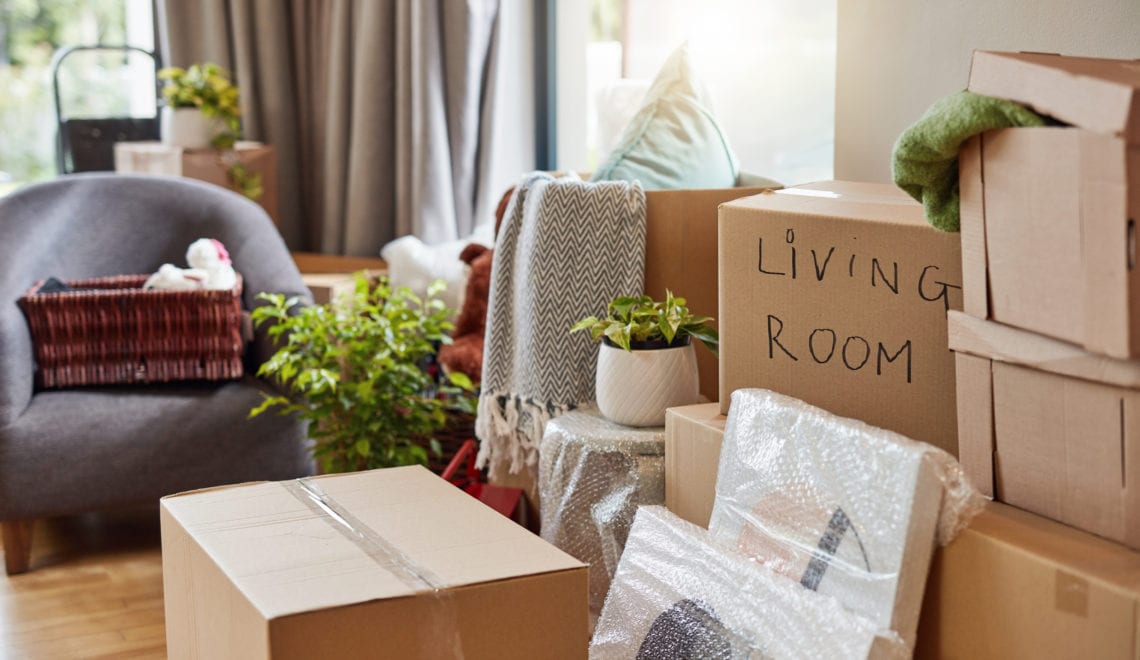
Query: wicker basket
114	332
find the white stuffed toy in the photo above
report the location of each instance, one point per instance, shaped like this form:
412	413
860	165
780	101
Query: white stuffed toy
210	255
210	268
172	278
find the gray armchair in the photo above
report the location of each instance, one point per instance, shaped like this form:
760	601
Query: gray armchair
71	451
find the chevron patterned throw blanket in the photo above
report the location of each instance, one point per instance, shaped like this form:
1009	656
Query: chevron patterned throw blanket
565	249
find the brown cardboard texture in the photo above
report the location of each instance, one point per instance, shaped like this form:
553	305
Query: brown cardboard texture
1078	280
681	255
327	287
202	164
1050	428
1101	95
387	563
836	293
693	436
1014	585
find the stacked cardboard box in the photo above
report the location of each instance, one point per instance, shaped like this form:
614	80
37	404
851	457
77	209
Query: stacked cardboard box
1049	258
1044	412
1047	376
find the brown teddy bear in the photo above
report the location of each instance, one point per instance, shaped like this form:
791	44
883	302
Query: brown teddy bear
465	352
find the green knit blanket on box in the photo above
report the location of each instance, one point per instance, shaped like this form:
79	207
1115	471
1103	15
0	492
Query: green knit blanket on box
925	159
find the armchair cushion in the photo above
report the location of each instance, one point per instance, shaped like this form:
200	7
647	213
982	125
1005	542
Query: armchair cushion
95	448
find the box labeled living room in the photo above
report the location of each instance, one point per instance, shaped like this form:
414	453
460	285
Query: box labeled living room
607	329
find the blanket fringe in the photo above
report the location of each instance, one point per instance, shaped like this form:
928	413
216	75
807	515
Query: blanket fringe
510	428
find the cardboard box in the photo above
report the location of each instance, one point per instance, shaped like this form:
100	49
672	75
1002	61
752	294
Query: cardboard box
327	287
389	563
693	436
681	255
1049	427
1076	281
1014	585
836	293
202	164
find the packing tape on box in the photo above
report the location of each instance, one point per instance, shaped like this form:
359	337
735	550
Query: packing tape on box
441	635
678	594
841	507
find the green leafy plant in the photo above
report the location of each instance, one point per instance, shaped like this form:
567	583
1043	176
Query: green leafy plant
354	369
208	88
643	323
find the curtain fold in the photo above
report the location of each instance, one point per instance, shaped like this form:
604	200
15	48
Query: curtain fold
379	111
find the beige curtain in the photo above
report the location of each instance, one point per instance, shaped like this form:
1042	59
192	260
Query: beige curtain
379	111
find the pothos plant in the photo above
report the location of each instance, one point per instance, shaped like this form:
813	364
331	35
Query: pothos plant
354	369
208	88
641	322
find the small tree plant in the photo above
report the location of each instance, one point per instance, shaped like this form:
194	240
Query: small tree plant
354	370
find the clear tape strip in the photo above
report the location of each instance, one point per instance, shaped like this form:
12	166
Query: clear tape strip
442	635
364	537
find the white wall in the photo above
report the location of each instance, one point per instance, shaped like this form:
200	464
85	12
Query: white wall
896	57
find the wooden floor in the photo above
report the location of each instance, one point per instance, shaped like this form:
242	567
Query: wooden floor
94	591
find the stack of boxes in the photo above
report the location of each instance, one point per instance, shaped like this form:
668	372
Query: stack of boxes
1048	370
841	295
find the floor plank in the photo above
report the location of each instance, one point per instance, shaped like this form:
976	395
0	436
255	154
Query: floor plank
94	590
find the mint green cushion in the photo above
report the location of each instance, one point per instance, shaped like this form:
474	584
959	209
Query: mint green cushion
674	141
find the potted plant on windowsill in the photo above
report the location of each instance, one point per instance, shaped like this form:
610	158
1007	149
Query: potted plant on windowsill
646	361
354	369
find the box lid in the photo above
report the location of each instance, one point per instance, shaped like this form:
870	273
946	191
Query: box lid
1100	95
375	535
875	202
1004	343
704	414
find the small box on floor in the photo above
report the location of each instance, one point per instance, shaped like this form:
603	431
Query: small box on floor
386	563
1014	585
693	436
836	293
1048	214
1049	427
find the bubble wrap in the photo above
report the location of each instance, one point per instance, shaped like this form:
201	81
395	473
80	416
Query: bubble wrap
843	508
677	595
593	474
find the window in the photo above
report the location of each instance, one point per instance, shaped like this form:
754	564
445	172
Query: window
92	84
768	64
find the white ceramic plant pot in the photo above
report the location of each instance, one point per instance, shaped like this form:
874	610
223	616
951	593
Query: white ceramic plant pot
188	128
635	387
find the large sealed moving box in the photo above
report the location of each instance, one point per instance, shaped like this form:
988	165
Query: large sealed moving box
1049	427
681	255
1075	280
391	563
1015	585
693	436
836	293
